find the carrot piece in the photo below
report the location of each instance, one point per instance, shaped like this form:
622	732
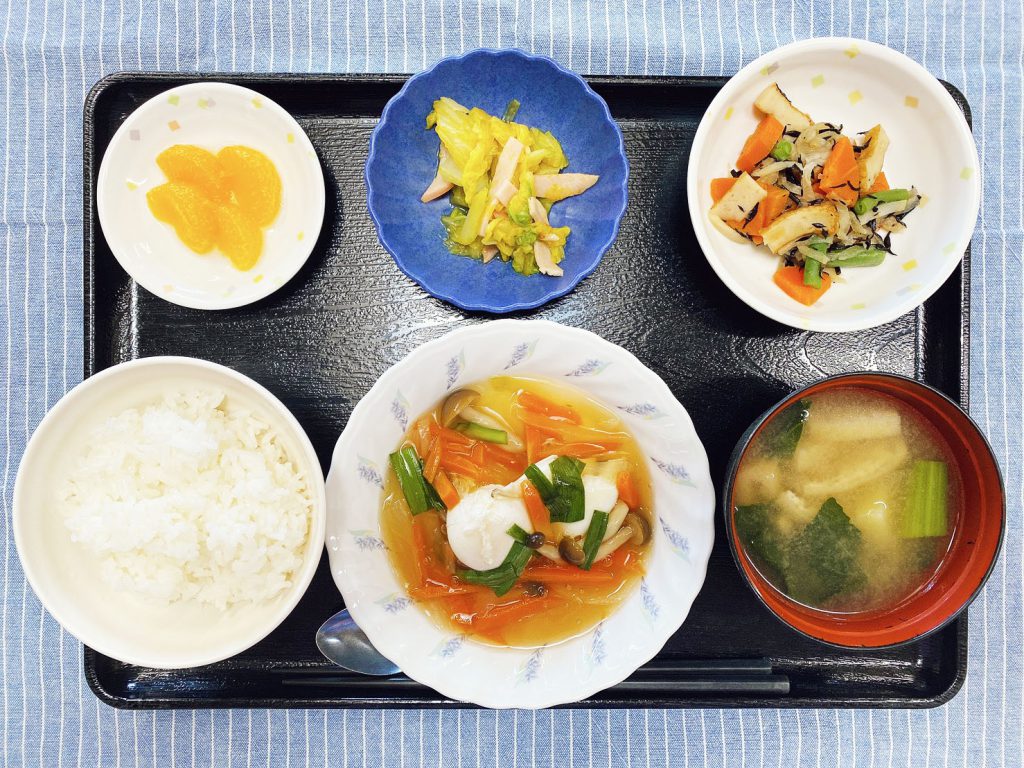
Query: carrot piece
500	616
477	454
426	537
534	444
791	281
768	210
553	574
439	591
433	461
628	492
449	495
505	459
424	562
881	184
460	608
775	204
452	436
535	508
720	186
840	176
569	432
760	143
461	465
537	404
579	450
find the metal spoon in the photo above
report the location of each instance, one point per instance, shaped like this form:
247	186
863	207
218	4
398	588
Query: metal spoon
344	643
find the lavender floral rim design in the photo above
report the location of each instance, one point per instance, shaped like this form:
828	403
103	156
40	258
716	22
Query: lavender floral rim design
520	677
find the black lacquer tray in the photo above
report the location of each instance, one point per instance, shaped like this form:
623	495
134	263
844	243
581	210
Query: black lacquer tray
320	342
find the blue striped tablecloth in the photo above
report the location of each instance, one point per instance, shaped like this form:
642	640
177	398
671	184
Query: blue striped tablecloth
52	53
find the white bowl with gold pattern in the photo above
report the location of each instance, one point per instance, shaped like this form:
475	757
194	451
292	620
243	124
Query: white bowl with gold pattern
856	84
211	115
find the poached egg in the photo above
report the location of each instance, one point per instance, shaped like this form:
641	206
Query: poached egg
478	525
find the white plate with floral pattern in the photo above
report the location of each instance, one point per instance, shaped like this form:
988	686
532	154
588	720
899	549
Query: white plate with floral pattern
457	666
210	115
857	84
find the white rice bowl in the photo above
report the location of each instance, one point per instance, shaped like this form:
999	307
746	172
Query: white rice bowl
189	498
169	512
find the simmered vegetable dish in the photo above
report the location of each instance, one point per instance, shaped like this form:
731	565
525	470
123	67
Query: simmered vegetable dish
812	196
518	511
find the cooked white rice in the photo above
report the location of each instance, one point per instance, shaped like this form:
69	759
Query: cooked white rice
191	498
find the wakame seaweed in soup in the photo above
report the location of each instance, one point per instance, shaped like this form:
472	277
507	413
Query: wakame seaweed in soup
847	501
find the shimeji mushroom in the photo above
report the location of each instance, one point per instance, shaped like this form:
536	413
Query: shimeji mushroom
623	527
460	406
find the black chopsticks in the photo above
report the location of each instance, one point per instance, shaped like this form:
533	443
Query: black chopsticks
753	677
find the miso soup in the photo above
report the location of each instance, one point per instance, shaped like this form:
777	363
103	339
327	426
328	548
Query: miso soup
847	501
518	511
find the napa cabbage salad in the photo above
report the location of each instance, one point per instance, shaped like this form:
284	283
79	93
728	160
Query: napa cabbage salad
502	178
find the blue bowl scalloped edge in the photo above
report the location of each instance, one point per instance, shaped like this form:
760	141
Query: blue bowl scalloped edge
555	292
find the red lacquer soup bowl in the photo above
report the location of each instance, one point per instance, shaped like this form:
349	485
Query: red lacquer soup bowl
962	571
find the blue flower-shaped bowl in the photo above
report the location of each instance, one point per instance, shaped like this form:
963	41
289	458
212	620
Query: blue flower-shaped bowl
403	160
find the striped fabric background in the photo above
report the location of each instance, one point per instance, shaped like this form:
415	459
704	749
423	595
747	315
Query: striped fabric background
52	53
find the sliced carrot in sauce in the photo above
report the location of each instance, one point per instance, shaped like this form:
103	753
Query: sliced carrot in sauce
426	568
501	616
579	450
540	518
534	442
453	436
627	489
445	591
537	404
570	432
443	485
499	456
460	465
432	462
555	574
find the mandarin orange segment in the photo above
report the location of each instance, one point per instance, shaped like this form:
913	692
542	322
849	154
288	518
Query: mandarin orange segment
220	200
254	182
239	237
195	166
192	215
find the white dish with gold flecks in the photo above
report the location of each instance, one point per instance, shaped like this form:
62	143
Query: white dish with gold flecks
857	84
452	663
210	115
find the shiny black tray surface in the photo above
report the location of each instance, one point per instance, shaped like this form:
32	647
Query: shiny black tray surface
320	342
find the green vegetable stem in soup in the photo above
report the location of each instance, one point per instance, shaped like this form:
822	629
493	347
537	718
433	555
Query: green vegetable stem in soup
847	501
